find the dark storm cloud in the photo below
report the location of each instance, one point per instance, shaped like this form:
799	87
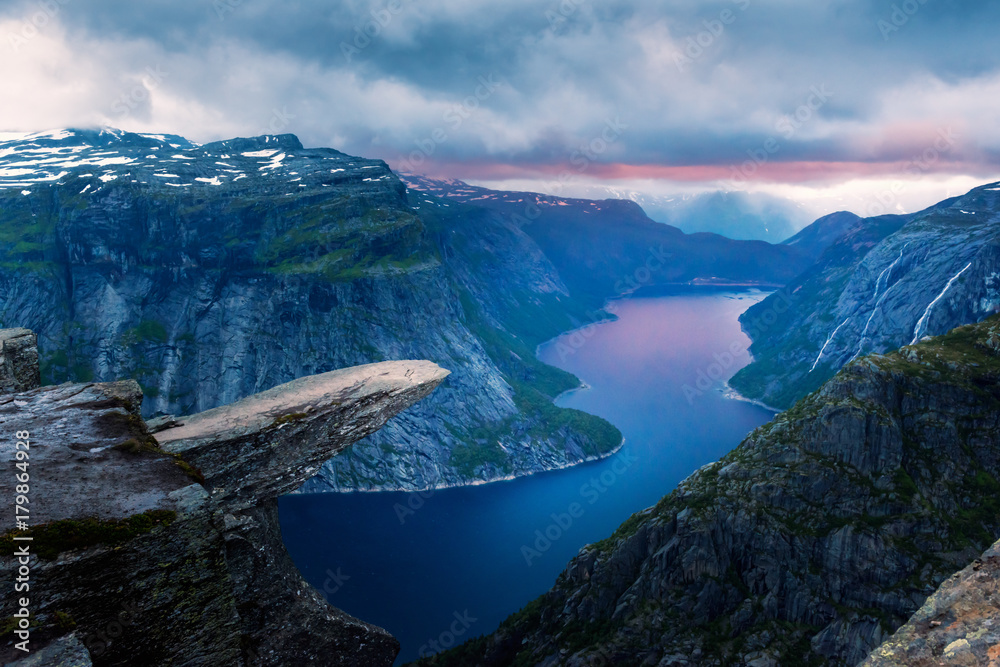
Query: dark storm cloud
695	83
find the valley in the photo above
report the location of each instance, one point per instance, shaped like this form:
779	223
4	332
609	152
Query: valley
489	549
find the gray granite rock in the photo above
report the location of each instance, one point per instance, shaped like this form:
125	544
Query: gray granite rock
958	625
888	282
150	560
18	360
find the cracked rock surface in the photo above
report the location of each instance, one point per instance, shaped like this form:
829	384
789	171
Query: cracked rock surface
958	625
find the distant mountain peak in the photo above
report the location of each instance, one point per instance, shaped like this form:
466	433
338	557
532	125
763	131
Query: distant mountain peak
96	156
457	190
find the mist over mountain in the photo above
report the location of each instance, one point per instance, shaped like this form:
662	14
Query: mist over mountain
736	215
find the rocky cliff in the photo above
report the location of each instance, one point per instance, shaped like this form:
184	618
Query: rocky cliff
888	282
167	550
212	272
809	544
958	625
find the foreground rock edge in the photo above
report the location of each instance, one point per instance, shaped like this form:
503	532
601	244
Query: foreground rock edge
211	583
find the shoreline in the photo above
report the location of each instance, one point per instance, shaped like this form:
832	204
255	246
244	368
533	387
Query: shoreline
734	395
728	392
478	482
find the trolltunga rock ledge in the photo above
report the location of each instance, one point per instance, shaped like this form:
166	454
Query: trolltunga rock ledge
143	563
266	445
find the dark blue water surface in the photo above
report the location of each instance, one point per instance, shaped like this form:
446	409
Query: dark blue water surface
459	564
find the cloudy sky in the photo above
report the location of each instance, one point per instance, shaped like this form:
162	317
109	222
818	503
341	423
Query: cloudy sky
833	103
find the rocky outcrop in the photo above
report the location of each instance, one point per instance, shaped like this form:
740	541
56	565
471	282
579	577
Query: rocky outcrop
66	651
169	551
810	543
958	625
316	416
18	360
888	282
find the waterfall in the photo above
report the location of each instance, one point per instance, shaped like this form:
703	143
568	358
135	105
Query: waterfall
820	355
923	318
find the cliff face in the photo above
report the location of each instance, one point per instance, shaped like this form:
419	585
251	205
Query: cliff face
888	282
169	552
18	360
209	273
808	544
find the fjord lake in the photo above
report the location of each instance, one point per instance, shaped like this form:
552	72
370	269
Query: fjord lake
465	558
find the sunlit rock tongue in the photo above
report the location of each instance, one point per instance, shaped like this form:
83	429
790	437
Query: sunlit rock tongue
266	445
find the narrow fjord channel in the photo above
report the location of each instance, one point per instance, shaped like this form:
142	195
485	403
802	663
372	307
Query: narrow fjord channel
468	557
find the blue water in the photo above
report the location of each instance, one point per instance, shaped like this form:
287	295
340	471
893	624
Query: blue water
464	559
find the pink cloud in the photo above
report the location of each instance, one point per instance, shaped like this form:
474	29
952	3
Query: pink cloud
797	172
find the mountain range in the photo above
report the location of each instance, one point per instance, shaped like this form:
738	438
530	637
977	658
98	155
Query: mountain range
733	214
211	272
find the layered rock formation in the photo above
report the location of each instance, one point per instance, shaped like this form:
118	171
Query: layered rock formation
167	550
18	360
888	282
809	544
